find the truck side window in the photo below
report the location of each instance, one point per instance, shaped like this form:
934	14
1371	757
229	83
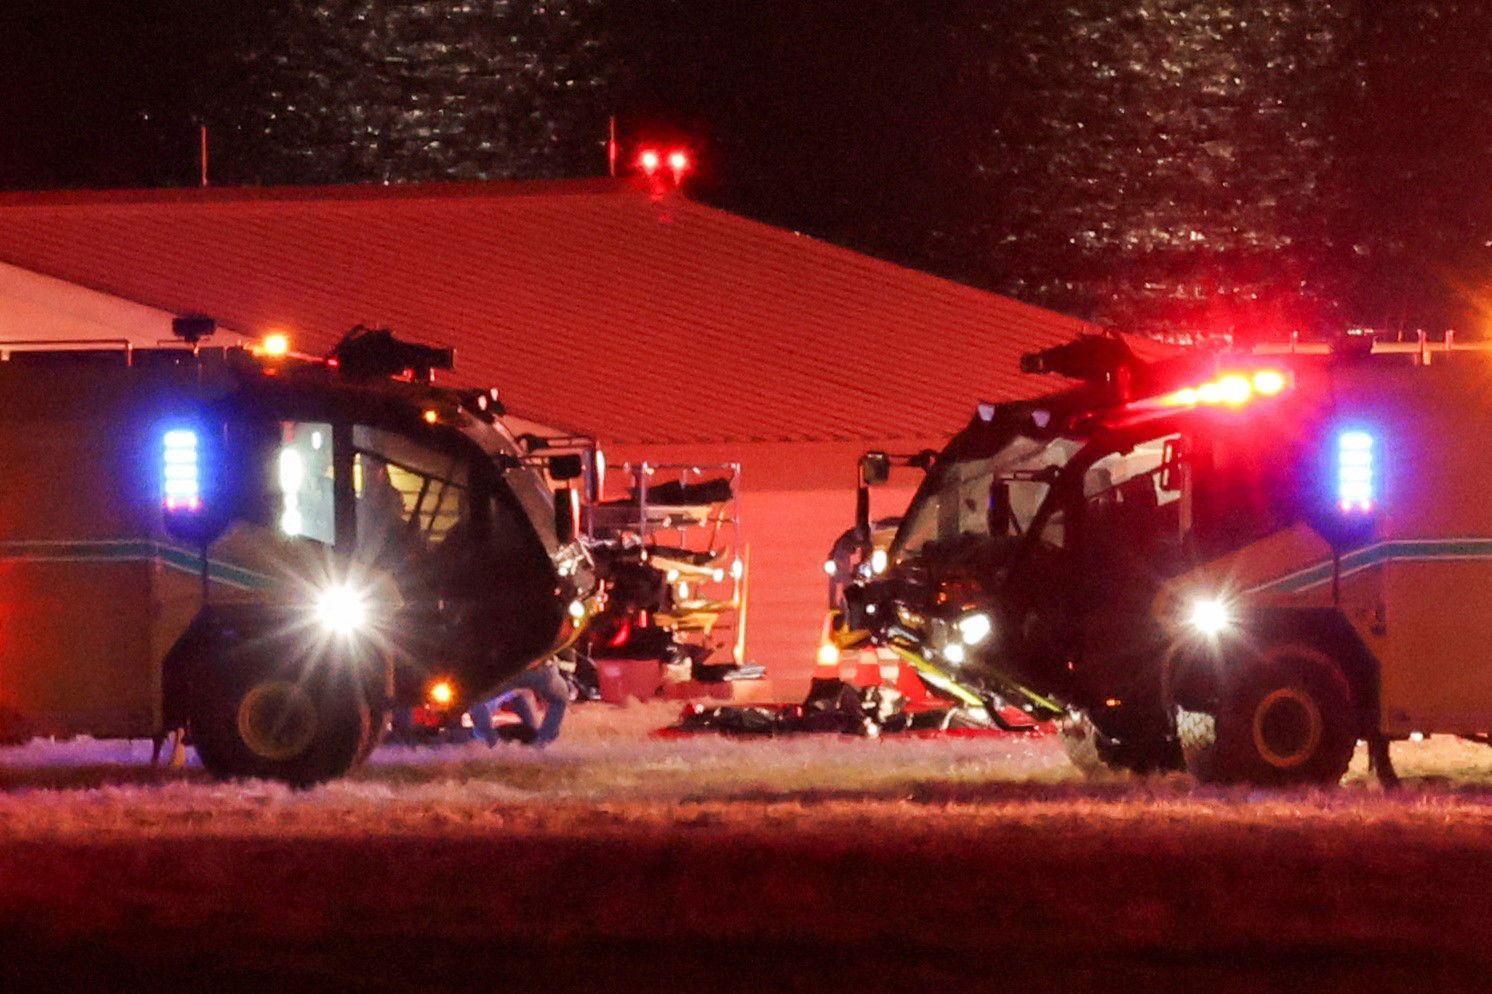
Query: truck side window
1245	488
1131	516
303	481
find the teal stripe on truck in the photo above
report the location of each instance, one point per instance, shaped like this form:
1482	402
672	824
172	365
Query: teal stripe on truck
133	551
1400	550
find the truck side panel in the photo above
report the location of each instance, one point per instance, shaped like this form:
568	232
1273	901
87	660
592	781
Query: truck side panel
1431	627
76	559
74	647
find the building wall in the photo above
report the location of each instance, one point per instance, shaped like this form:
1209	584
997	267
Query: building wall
34	307
795	500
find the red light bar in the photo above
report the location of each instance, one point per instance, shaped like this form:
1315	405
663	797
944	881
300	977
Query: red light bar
1270	382
1229	390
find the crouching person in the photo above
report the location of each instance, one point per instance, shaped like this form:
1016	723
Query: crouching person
547	684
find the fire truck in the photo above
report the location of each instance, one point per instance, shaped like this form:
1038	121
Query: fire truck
266	550
1242	564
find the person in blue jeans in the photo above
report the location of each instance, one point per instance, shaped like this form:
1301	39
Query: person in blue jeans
547	684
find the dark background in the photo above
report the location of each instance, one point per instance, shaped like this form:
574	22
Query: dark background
1162	165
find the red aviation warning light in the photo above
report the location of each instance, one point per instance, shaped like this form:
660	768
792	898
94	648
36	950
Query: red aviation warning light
664	168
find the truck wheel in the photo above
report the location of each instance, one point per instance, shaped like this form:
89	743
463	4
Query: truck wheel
253	714
1282	717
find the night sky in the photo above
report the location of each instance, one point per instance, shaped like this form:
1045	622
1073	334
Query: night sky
1163	165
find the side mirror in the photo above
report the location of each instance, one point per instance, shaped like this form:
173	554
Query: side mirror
875	468
531	442
566	515
566	467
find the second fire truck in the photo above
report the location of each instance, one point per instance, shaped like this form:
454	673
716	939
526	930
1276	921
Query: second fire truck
1241	564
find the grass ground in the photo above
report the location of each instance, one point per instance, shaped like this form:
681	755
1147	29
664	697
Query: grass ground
615	862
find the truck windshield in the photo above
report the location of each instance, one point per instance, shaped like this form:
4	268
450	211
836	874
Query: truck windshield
527	484
961	499
409	498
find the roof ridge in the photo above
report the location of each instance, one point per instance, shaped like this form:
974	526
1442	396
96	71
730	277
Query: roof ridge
341	192
887	267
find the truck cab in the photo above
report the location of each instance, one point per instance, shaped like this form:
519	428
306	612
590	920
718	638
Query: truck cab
267	550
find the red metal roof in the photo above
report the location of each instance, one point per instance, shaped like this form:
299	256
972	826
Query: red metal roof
591	305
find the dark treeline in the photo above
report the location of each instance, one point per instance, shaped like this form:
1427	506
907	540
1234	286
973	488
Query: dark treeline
1156	164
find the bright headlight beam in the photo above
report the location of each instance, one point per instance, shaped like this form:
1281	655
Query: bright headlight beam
879	561
975	628
1210	616
342	610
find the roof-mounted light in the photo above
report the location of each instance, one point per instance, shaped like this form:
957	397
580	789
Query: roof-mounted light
1270	382
1228	390
275	345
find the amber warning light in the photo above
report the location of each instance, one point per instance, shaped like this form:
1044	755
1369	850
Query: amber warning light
1229	390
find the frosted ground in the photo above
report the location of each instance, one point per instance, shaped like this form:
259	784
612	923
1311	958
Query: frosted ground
615	860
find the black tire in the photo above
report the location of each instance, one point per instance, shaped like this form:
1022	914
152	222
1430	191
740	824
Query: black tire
255	711
1282	716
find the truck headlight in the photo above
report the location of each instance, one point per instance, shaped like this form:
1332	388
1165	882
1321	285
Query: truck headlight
1210	616
975	628
342	609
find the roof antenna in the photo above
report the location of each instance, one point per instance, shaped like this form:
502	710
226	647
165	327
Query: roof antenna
611	147
202	150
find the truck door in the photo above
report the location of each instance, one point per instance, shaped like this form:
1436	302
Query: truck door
1128	543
